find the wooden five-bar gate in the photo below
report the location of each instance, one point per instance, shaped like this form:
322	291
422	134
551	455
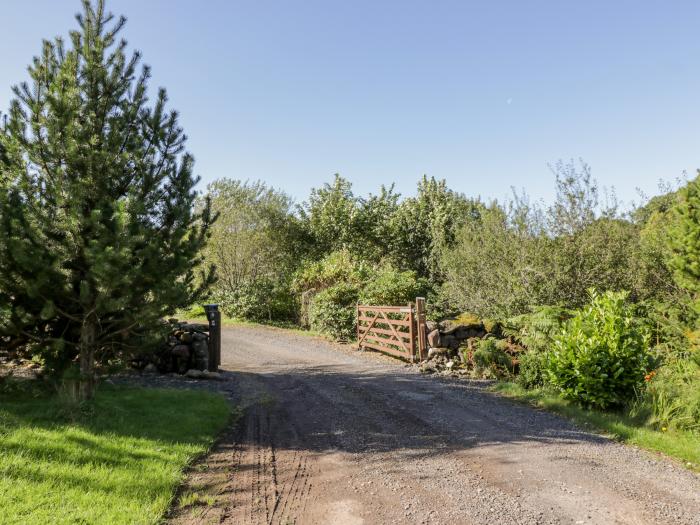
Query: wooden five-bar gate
396	330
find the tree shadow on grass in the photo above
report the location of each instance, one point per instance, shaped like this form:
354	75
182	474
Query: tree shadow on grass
129	443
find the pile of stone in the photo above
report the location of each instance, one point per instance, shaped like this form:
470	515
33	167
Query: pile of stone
451	344
18	368
186	352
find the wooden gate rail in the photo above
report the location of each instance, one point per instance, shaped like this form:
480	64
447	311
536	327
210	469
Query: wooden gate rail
391	329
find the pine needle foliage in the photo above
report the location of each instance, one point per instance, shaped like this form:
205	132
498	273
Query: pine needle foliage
98	235
684	239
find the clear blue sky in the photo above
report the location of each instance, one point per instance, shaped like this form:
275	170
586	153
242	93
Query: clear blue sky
484	94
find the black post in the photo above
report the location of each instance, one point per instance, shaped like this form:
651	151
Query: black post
214	318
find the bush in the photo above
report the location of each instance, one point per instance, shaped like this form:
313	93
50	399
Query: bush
336	283
261	300
532	371
389	286
601	356
332	311
672	395
536	330
490	360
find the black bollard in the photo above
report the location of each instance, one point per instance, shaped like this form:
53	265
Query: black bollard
214	318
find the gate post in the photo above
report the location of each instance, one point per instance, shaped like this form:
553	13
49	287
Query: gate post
412	332
422	336
214	318
357	324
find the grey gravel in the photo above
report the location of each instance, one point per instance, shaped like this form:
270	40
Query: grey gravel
332	435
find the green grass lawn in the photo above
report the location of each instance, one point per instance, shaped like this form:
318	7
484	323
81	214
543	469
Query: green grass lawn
117	460
684	446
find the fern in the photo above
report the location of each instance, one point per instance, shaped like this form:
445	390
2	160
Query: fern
536	329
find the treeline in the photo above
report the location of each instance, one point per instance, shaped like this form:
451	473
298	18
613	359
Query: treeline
589	298
493	259
313	262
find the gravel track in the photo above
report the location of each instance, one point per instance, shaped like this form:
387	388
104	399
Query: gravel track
334	436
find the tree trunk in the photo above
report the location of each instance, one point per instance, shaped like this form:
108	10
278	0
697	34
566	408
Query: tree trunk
87	358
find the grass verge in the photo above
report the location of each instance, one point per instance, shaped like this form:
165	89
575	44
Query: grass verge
684	446
118	459
196	313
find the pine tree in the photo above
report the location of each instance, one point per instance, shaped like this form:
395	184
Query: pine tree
684	239
99	238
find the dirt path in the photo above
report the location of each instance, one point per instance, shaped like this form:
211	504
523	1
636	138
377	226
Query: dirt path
333	437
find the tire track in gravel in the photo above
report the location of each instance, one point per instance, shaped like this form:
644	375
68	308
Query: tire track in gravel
333	436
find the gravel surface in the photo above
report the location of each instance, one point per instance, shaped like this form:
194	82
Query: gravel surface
334	436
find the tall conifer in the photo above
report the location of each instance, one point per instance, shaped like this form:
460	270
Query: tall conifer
98	234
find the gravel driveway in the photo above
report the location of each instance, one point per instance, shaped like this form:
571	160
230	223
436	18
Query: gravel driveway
334	436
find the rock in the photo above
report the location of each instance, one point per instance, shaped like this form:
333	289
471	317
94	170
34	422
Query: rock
476	333
450	341
194	374
211	375
434	352
434	339
200	348
186	337
195	327
431	325
150	368
450	326
180	351
492	327
428	367
460	332
450	365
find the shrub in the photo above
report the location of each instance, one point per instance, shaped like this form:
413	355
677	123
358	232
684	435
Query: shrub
490	360
601	356
532	371
671	324
332	311
389	286
535	330
260	300
672	395
336	283
336	267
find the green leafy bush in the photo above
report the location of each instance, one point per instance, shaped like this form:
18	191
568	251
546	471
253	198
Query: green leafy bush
389	286
490	360
535	330
260	300
332	311
336	267
336	283
672	395
532	370
601	356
